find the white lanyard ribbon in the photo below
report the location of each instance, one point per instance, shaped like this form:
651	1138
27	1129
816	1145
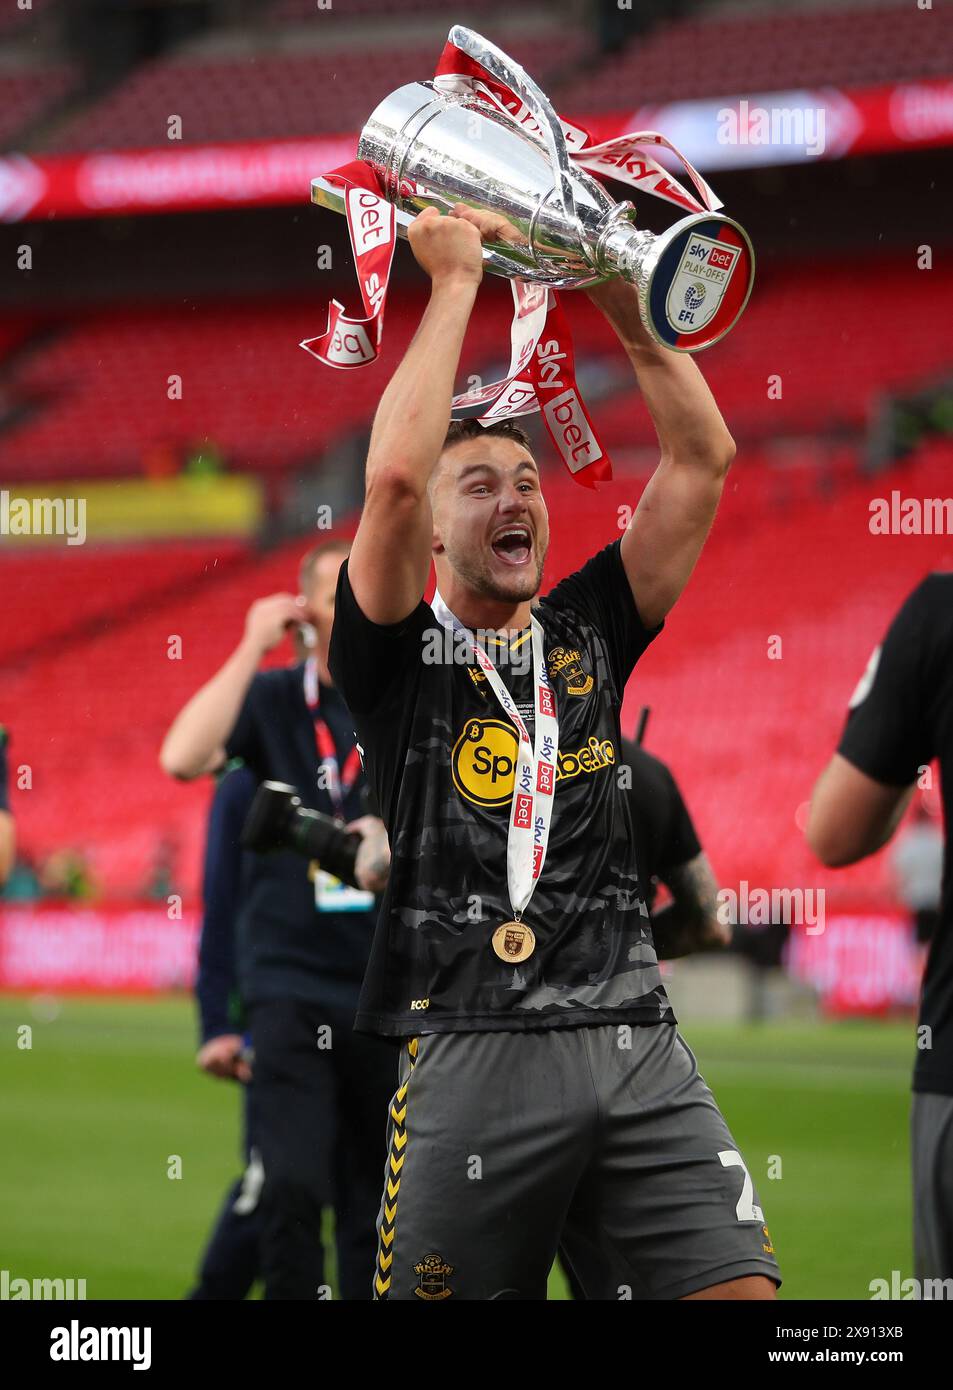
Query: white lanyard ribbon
534	784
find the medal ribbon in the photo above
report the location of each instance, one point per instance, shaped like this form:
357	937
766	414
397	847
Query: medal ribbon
339	784
534	785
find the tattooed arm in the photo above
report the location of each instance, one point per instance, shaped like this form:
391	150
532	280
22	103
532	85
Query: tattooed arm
690	922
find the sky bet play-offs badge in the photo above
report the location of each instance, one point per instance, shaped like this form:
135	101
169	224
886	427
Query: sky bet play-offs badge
700	284
699	287
484	761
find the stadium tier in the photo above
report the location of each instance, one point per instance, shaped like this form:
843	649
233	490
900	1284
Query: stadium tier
787	47
96	395
26	94
314	76
66	596
264	96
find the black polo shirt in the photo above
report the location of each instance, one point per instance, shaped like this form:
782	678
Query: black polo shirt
286	947
662	830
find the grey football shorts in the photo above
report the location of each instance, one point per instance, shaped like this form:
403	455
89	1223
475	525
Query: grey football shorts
603	1143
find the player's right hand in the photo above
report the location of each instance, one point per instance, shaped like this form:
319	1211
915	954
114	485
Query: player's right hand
269	619
222	1057
447	248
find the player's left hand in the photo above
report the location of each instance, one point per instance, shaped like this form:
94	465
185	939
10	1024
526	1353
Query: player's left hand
222	1057
372	865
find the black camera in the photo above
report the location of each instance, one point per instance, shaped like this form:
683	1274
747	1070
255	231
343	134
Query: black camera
278	820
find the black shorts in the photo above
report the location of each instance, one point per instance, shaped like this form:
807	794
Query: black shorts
601	1142
932	1152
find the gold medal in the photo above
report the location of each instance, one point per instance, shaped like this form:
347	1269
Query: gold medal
514	942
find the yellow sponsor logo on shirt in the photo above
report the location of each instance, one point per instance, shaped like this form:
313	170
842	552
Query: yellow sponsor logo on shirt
484	761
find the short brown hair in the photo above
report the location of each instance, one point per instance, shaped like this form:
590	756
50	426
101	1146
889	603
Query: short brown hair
461	430
311	558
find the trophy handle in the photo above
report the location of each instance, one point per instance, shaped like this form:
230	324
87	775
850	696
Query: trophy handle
501	66
331	196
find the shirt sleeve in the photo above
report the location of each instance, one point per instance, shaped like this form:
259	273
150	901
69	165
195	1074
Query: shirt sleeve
215	981
245	739
887	734
680	843
369	661
601	593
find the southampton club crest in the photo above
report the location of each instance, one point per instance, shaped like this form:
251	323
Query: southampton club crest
432	1273
566	662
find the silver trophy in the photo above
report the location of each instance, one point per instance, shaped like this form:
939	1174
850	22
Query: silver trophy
433	148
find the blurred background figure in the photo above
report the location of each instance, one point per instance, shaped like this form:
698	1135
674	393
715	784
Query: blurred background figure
668	852
231	1261
917	864
319	1091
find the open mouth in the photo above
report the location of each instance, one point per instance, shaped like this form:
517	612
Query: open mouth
513	545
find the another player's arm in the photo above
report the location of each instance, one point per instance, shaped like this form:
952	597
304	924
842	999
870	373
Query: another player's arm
677	508
390	558
852	815
689	923
196	739
861	796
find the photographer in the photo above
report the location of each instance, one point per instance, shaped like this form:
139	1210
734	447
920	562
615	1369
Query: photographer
319	1091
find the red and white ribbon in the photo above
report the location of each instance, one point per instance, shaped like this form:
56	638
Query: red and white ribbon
541	374
372	225
534	783
621	158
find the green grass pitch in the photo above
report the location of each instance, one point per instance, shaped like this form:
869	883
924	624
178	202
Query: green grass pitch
93	1111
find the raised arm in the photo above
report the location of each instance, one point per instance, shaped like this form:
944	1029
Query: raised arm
676	510
390	558
196	739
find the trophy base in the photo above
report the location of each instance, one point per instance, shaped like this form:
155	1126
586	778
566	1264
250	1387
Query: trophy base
694	280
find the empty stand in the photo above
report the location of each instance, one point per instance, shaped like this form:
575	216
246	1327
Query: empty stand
25	94
781	48
830	338
270	95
